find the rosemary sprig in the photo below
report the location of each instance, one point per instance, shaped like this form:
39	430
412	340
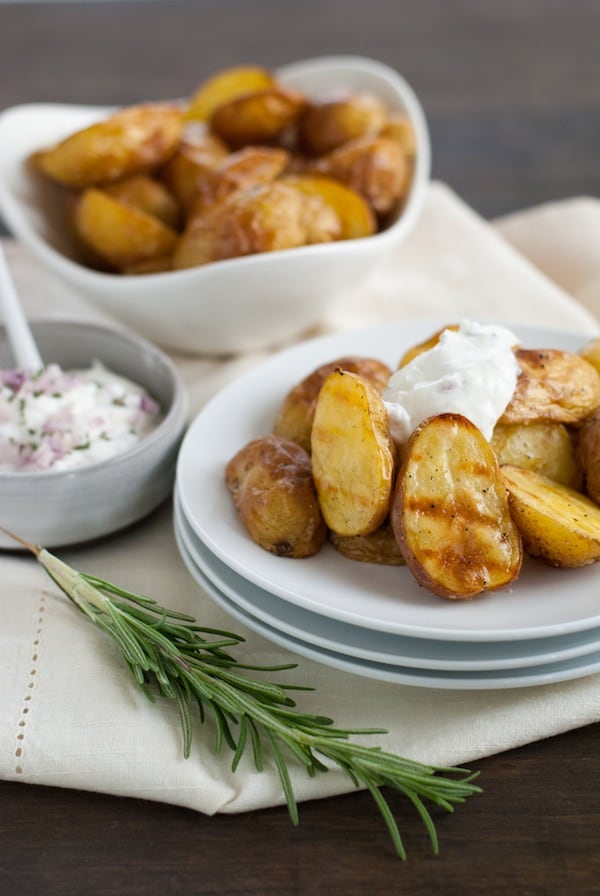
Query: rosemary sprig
169	652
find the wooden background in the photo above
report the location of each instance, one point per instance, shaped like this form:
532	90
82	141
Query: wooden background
512	93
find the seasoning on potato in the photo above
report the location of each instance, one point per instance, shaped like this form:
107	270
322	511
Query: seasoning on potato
272	488
450	512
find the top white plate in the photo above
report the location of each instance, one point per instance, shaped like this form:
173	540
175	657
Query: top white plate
543	603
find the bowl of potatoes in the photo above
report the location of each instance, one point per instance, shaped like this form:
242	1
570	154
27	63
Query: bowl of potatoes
228	221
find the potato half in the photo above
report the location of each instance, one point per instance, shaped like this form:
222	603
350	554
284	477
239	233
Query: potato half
224	86
546	448
553	385
271	485
355	215
557	524
450	512
379	546
353	455
131	141
295	417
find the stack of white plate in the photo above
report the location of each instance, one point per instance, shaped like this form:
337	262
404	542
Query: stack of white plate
364	618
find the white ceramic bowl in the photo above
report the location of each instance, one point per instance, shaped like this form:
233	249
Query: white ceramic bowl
243	304
61	508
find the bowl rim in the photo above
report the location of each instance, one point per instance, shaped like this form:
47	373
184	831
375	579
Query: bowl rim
77	272
173	420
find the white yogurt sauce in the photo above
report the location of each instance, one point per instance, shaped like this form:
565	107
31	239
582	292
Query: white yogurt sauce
55	420
472	371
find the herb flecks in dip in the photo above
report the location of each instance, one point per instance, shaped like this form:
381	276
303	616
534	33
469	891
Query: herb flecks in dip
54	420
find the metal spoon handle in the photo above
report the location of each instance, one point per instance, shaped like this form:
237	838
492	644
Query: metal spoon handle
22	343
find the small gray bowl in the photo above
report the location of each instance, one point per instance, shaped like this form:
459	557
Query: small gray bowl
68	507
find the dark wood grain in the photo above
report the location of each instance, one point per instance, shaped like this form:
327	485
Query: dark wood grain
512	93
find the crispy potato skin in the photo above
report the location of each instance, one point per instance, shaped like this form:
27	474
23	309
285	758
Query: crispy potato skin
558	524
553	385
450	511
132	141
270	482
265	218
121	234
249	167
325	126
546	448
353	455
588	453
295	417
375	167
379	547
198	152
259	117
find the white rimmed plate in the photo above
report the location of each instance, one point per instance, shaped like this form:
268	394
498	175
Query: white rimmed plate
545	602
368	644
551	673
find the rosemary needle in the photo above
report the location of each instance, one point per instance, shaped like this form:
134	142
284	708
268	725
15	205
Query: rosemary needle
168	652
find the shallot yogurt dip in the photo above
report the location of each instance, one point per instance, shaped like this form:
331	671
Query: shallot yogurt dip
54	420
472	371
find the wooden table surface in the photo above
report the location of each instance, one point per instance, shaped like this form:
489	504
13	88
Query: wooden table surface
512	93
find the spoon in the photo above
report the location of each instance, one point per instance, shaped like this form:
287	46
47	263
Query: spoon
20	337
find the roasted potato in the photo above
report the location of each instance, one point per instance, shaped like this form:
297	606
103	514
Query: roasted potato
132	141
271	485
121	234
553	385
148	195
261	219
197	153
326	125
557	524
450	511
591	352
546	448
379	546
399	128
354	213
588	454
353	455
424	346
240	170
259	117
375	167
225	86
295	417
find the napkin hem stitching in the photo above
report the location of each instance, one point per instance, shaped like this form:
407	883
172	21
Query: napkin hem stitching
26	702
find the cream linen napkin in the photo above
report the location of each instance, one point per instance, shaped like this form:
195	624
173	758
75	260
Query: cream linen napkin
70	715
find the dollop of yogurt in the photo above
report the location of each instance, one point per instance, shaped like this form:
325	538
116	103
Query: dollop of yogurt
472	371
55	420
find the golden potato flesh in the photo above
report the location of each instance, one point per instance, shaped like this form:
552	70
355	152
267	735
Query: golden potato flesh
132	141
546	448
225	86
249	167
353	456
450	512
295	417
266	218
376	168
379	547
591	352
121	234
558	524
553	385
355	215
270	482
326	125
147	195
588	453
257	117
